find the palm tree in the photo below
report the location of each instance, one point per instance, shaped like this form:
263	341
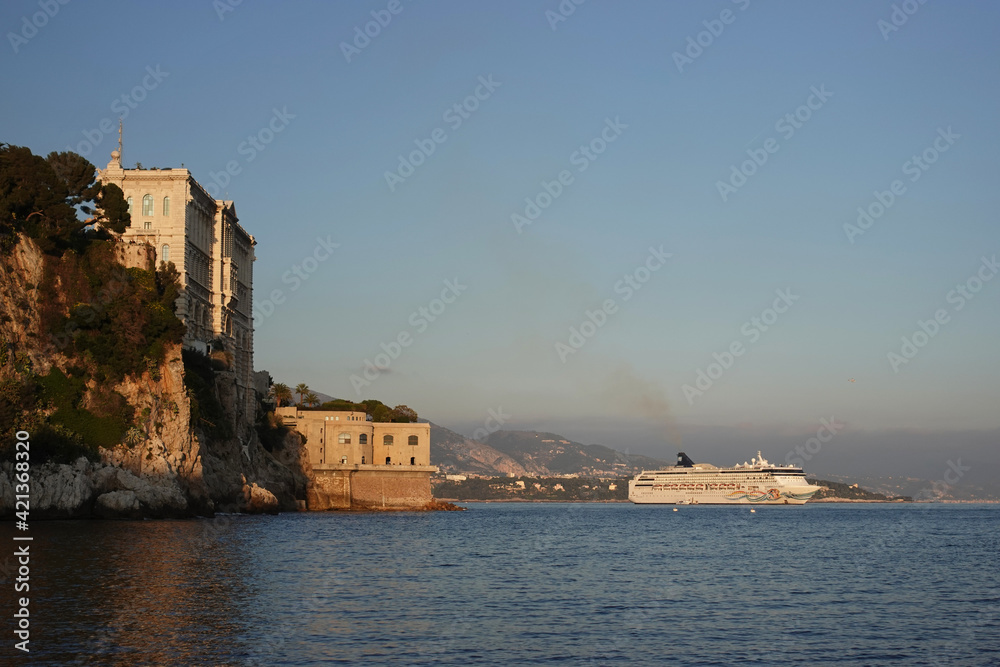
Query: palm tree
312	399
301	389
134	436
281	393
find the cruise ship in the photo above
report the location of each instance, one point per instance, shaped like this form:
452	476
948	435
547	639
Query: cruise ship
755	482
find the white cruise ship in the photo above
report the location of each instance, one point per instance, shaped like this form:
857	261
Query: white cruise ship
756	482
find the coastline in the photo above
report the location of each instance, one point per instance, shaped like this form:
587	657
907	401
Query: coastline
811	502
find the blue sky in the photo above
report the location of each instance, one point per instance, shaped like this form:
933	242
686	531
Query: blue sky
886	96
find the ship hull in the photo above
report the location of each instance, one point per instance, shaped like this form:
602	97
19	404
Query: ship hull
714	499
688	483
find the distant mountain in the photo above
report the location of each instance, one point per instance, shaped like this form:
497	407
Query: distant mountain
454	453
551	454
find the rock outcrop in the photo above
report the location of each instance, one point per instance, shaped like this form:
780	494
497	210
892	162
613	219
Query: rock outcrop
177	468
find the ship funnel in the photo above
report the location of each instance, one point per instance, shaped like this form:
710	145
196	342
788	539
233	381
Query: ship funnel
683	461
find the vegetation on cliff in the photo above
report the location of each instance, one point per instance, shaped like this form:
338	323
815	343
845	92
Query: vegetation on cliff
43	197
98	322
308	400
207	412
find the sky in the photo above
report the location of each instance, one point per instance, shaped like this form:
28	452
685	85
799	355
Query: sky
647	225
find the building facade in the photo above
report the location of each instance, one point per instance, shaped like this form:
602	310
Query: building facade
360	464
214	255
342	438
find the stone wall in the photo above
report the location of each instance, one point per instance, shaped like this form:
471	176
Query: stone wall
135	255
369	487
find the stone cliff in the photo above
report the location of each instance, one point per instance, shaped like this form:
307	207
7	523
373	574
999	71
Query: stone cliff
172	465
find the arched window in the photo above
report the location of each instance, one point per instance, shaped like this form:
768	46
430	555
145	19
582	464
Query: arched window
362	460
388	460
166	206
363	439
387	440
344	438
165	255
147	205
412	440
413	460
129	201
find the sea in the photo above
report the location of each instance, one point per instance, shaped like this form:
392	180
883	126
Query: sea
519	584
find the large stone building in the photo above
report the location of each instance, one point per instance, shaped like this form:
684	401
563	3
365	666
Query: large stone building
361	464
349	438
202	236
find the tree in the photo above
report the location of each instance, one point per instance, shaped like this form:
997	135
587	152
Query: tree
77	175
281	393
112	209
32	197
379	411
403	414
312	399
342	405
42	196
134	436
301	389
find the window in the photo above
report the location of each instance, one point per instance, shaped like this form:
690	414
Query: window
129	201
388	459
413	460
165	255
412	440
344	438
147	225
363	439
387	440
147	205
166	206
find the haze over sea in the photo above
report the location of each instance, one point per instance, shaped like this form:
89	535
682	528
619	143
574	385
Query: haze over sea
526	584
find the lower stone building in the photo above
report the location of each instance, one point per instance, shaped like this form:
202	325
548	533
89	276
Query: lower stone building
361	464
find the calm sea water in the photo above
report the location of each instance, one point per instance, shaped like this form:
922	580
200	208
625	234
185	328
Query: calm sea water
512	584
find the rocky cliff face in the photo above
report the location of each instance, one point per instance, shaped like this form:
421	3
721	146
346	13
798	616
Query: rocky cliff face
176	469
